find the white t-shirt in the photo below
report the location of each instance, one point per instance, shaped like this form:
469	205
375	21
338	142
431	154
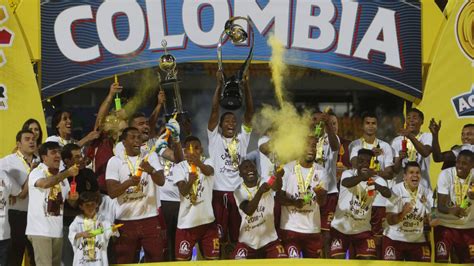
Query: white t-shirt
119	149
62	142
107	208
201	212
257	230
227	176
469	147
39	221
424	162
410	229
307	219
169	191
137	202
7	188
385	160
352	214
330	157
80	245
446	184
265	167
16	169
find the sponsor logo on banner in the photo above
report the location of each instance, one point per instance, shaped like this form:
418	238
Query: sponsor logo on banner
3	97
6	35
464	29
441	249
377	41
464	104
390	253
184	247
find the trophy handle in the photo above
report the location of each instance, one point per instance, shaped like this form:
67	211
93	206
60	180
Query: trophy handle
220	66
246	65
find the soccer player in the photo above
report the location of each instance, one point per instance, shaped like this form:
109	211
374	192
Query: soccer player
455	207
351	223
304	190
449	157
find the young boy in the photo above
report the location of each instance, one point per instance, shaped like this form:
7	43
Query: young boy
7	188
195	180
257	236
351	223
404	238
90	232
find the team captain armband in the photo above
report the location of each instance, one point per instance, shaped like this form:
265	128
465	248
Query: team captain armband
247	129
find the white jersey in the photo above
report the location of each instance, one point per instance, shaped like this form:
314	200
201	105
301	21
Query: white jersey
62	142
40	221
354	206
169	191
424	162
137	202
265	167
385	160
119	149
446	186
7	188
17	169
257	230
90	253
468	147
200	212
307	219
225	170
330	162
410	229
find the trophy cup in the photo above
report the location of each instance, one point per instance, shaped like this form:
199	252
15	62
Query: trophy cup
167	64
231	97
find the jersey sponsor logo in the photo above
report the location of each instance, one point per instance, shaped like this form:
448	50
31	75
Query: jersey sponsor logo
293	252
336	244
241	253
184	247
441	249
389	253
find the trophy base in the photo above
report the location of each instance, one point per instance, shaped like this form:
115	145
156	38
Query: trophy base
231	103
170	82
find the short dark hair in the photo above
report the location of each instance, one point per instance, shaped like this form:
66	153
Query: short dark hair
191	138
468	125
125	132
467	153
414	110
88	196
135	115
411	164
47	146
66	152
368	114
57	118
27	124
21	132
224	115
365	152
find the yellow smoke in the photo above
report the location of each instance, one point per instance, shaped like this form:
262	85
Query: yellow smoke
288	129
148	85
278	67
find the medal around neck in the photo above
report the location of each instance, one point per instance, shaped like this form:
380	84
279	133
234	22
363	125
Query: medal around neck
231	97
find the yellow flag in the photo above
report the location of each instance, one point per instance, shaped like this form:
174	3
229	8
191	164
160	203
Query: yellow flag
19	92
449	83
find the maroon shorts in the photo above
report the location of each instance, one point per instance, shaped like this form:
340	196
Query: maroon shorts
207	237
272	250
135	234
377	220
295	243
327	211
398	250
227	215
363	243
462	240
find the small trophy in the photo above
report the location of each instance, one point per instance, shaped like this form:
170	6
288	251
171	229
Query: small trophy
167	64
231	97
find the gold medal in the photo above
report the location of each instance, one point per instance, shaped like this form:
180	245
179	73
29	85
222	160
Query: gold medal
232	147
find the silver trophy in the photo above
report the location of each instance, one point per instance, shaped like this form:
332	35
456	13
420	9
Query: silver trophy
231	97
167	64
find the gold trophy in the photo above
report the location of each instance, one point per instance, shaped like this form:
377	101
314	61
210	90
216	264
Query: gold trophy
231	97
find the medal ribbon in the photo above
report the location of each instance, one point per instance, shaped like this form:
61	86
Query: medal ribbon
411	151
460	190
232	149
89	225
303	184
25	163
194	188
